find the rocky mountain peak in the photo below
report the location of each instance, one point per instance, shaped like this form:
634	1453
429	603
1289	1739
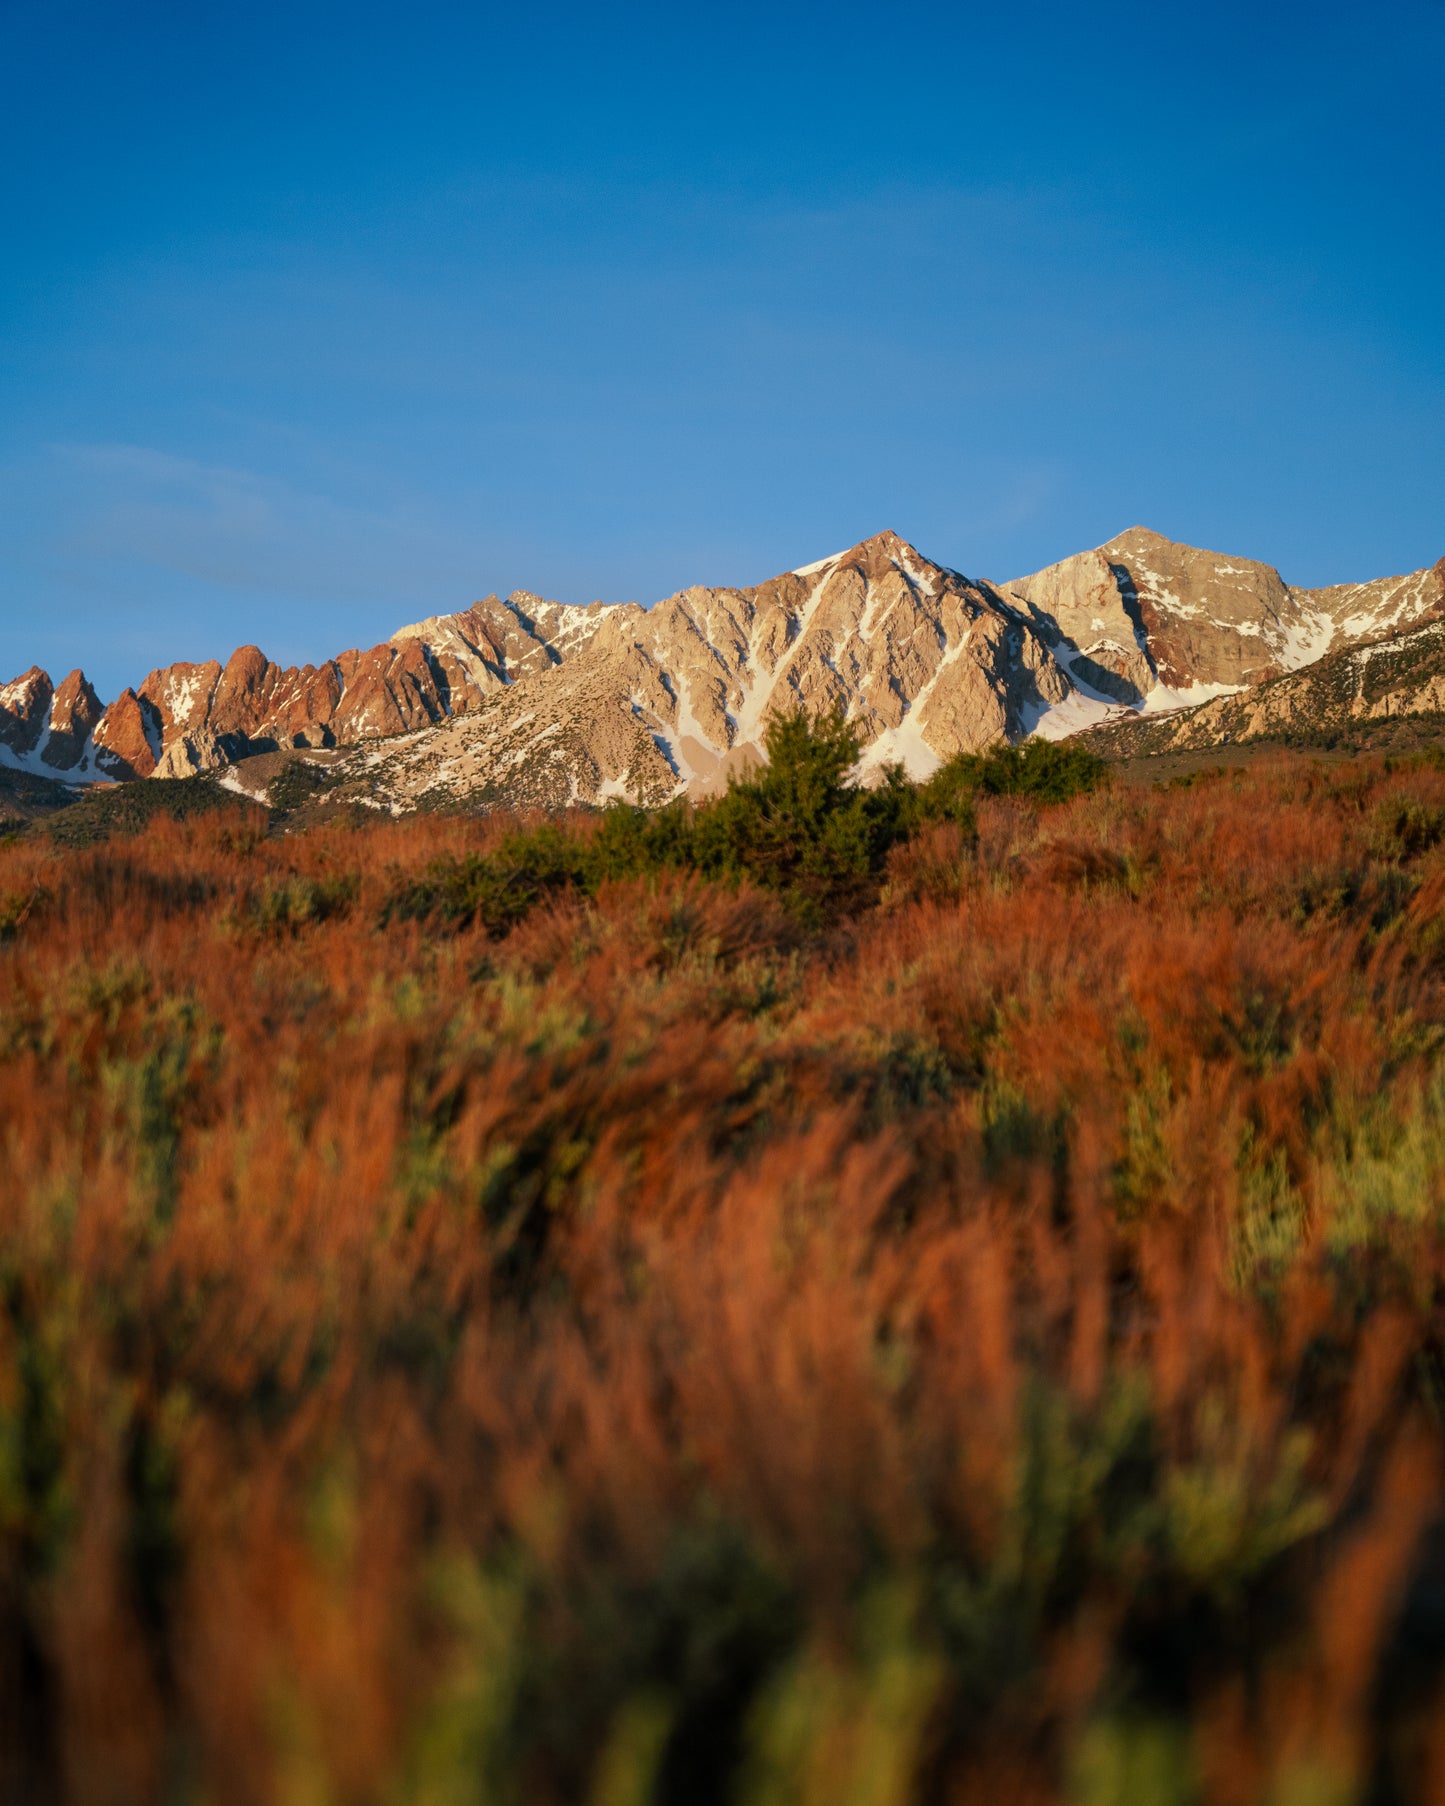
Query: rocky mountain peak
526	699
75	712
677	696
872	556
127	741
1173	624
24	711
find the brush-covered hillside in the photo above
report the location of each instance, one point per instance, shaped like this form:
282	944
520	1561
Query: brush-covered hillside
930	1294
1391	690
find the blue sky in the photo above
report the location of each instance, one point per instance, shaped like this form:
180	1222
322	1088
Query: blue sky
316	319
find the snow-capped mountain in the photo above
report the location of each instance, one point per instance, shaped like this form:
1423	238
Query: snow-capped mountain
527	700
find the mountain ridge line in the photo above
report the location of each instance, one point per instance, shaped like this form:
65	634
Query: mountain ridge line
527	701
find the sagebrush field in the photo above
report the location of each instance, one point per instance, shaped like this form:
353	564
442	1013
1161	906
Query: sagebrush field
953	1317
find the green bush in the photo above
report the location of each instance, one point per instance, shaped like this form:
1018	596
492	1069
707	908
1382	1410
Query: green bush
1404	828
1046	771
287	905
497	889
800	826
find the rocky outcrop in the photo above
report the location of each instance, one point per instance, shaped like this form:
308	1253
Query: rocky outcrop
1080	609
1365	611
187	755
127	738
197	717
1207	619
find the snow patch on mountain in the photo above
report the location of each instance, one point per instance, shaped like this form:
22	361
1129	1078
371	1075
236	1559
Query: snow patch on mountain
821	564
1302	641
1058	720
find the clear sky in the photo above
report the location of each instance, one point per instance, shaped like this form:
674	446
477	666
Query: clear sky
316	319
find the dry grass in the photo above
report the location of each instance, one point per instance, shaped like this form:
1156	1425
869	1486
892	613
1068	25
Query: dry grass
990	1350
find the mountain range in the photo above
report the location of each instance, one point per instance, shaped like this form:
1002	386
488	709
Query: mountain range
524	701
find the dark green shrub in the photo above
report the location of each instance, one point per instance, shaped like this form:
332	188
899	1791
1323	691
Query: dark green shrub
1404	828
797	826
287	905
497	889
800	826
1047	771
631	841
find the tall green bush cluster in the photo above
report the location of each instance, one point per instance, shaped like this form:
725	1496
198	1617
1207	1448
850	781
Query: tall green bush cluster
801	825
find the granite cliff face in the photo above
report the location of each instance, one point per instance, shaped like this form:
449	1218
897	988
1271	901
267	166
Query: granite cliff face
528	700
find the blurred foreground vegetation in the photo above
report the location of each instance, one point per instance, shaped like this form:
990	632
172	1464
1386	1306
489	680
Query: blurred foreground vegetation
930	1293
